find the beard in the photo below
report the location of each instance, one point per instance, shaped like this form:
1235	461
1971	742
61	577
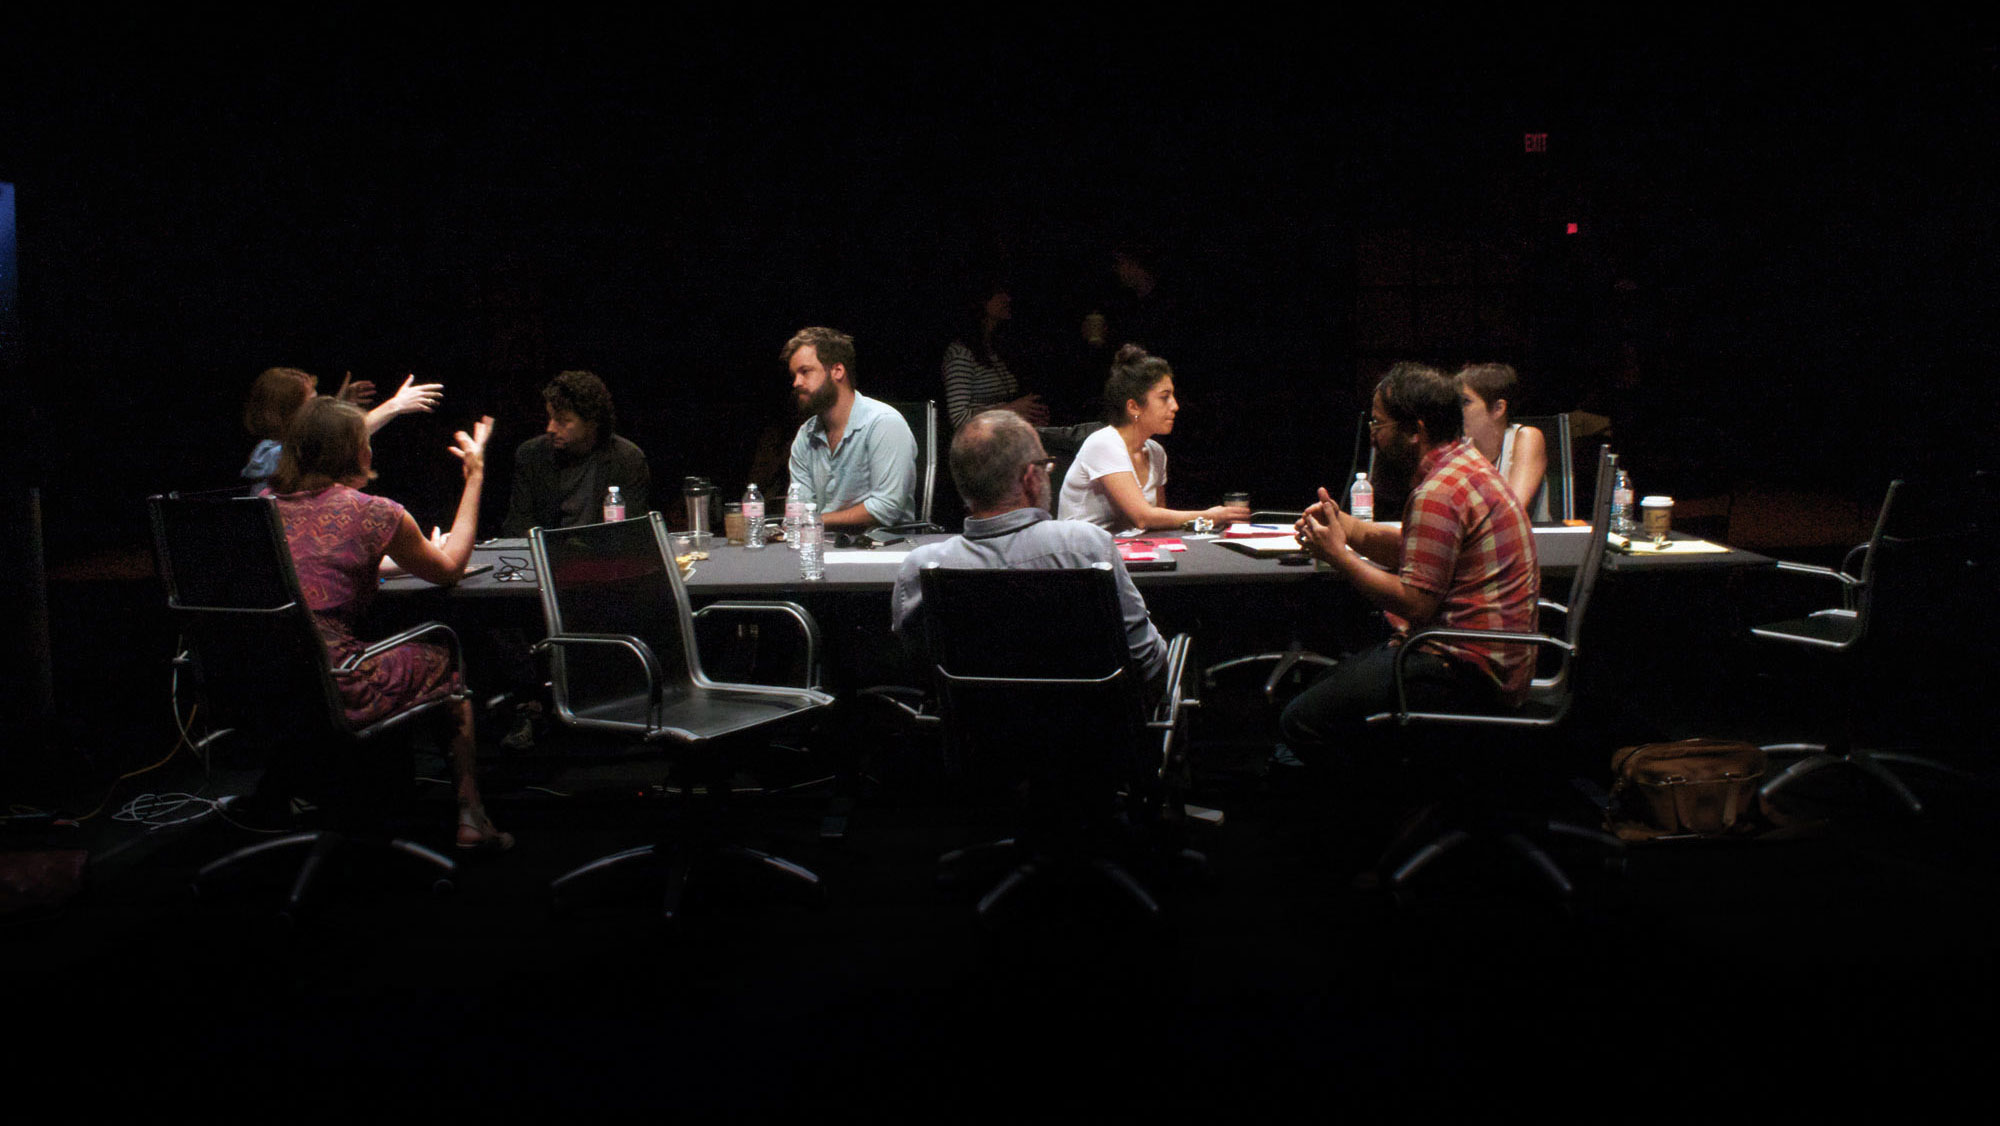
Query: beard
818	401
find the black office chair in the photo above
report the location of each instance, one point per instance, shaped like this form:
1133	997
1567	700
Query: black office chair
923	420
1558	491
1038	696
264	677
624	663
1472	776
1918	576
1285	662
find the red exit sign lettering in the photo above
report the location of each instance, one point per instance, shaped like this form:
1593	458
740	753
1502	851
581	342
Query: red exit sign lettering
1535	142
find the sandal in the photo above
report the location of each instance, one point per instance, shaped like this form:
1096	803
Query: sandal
477	834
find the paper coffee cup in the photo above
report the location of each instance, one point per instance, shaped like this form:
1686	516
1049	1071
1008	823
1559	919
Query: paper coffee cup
1656	516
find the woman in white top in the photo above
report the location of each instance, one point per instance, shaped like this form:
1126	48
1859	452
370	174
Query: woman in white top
1118	480
1521	454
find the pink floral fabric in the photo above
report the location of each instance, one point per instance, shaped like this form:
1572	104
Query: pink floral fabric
338	536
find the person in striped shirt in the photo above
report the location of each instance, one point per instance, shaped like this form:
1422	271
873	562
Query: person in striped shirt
1464	558
975	377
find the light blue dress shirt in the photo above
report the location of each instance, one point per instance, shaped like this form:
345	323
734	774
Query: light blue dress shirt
876	464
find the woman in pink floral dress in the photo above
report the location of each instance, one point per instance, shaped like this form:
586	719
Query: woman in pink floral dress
338	536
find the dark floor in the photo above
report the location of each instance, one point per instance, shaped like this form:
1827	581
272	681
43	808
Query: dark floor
1846	968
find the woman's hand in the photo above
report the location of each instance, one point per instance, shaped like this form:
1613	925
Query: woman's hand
360	392
1226	514
412	397
1030	407
470	449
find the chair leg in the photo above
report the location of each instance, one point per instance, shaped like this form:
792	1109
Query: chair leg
1539	860
789	869
224	863
1427	855
1116	874
322	849
679	870
562	883
1009	884
429	856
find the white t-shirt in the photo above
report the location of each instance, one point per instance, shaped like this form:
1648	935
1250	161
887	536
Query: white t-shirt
1104	453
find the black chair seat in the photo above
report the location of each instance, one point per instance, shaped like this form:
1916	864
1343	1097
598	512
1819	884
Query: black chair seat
699	716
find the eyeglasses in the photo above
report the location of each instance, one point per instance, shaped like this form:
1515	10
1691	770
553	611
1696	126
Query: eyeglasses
1046	464
1375	424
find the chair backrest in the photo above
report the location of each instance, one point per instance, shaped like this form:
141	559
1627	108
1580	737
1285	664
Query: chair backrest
617	578
1584	581
1363	460
1558	491
1863	596
234	596
1035	674
922	417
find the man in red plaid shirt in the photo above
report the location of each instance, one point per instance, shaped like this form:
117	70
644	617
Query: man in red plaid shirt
1463	559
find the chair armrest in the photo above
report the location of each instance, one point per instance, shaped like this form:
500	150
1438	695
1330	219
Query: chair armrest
655	676
913	703
1411	643
1841	577
1545	604
404	638
808	628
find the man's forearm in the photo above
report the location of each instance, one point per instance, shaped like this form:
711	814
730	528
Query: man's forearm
853	516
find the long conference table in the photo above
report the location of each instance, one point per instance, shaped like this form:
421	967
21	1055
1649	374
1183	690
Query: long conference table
1230	602
773	571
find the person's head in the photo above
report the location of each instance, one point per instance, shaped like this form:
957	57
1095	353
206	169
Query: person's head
1416	408
821	361
1487	393
981	316
325	444
275	395
1140	392
580	412
998	464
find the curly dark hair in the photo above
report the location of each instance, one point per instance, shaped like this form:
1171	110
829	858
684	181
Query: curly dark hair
584	395
1413	393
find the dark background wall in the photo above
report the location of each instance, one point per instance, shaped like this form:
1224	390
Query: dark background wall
1783	274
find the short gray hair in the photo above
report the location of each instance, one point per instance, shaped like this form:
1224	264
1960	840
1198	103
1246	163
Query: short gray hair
988	454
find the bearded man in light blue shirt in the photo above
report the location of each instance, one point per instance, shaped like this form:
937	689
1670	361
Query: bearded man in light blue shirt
855	455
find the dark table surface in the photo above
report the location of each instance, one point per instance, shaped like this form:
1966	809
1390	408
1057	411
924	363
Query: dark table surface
739	572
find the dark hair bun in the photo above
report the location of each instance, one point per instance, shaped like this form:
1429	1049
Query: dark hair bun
1129	354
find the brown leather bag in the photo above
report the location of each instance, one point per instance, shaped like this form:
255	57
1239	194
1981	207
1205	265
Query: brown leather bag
1696	787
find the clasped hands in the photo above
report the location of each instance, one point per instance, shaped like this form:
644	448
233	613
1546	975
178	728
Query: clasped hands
1320	531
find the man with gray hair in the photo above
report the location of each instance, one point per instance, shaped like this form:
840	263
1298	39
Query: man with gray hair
1001	470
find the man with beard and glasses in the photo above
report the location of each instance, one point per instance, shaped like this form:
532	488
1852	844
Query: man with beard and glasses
855	455
1464	558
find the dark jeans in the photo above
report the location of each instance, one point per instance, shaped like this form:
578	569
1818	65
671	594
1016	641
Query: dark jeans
1329	718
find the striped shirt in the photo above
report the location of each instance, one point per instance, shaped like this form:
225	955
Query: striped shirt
972	384
1468	541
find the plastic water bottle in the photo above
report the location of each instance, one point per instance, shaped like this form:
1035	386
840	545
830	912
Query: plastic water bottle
1361	498
812	562
614	505
795	506
753	518
1621	504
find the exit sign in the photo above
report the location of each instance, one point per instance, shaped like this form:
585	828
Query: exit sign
1535	142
